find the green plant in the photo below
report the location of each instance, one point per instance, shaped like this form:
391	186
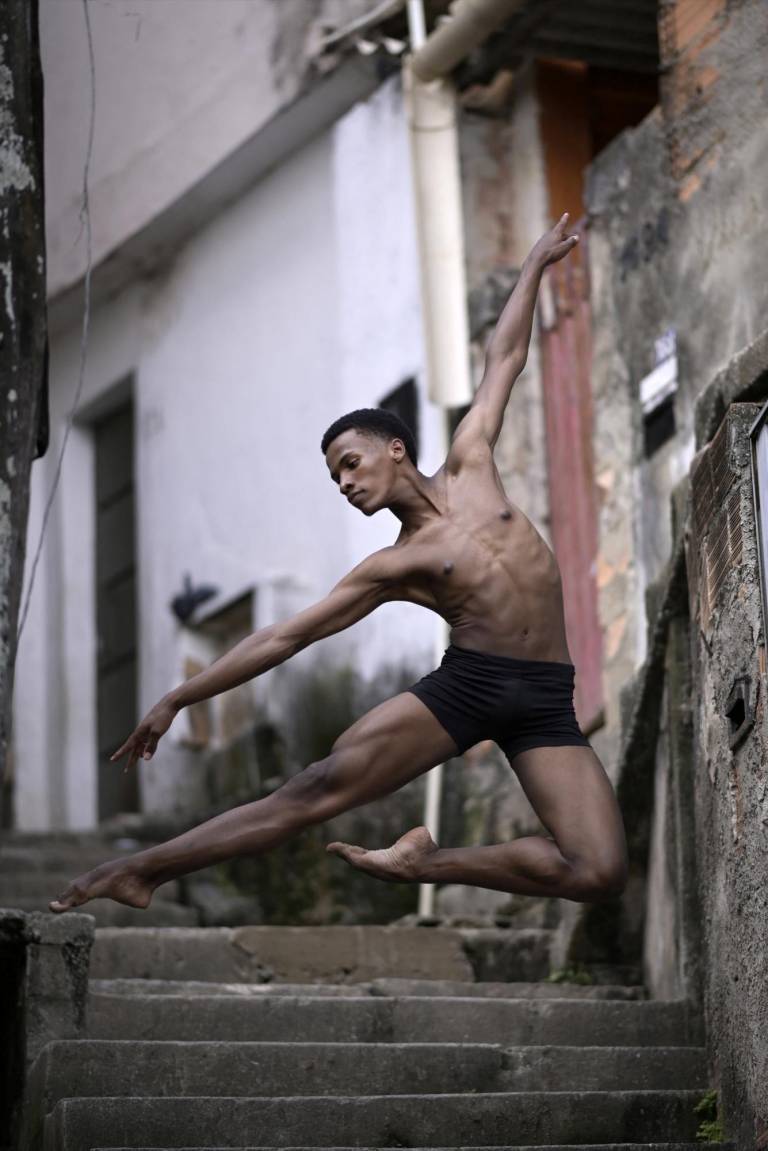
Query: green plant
710	1128
577	973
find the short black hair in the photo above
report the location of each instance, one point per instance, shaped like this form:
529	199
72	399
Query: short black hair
374	422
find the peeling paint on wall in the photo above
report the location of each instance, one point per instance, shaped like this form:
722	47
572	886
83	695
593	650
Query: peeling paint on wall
14	172
7	271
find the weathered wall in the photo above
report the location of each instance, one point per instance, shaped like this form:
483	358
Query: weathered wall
179	87
678	241
731	779
674	244
627	197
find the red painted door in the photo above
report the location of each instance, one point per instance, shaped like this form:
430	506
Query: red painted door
566	347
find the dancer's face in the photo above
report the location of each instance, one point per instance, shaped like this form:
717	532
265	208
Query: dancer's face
364	467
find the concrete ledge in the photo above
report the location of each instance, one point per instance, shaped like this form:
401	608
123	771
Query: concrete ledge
321	954
43	991
744	379
570	1147
279	954
443	988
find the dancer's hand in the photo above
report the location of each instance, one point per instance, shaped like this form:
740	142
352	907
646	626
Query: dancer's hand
554	244
145	738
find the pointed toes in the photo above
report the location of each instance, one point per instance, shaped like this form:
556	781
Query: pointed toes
66	901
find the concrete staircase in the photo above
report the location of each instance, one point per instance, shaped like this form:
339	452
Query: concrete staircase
362	1037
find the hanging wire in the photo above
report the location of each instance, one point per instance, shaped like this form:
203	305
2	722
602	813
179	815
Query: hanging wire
85	221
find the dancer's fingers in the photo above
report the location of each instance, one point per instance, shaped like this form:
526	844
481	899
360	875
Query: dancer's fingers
346	850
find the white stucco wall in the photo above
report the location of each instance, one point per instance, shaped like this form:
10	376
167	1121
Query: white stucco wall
297	303
179	86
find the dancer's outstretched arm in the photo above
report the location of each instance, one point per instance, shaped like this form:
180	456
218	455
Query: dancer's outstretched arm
355	596
508	348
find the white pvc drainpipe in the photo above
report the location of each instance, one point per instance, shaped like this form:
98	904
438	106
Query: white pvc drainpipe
431	111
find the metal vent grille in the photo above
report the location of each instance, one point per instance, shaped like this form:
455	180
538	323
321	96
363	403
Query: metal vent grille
716	530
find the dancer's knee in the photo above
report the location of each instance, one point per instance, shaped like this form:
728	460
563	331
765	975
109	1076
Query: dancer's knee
598	880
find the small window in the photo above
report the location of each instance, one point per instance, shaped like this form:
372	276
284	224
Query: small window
659	425
657	393
403	401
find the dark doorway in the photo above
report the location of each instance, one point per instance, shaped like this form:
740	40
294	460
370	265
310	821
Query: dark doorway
115	606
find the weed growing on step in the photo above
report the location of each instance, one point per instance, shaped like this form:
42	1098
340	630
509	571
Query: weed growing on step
577	973
710	1128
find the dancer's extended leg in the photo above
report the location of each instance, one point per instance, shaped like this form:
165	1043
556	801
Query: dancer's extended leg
383	750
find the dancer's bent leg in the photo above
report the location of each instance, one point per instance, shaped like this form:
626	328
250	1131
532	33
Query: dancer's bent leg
584	859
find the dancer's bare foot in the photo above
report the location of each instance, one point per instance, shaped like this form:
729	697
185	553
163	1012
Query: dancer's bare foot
114	880
400	863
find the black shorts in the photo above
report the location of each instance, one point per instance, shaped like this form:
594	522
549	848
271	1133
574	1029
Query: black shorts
518	703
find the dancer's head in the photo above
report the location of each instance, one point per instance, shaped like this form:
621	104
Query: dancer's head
367	451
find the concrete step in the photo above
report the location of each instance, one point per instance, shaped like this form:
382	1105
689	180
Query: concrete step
385	987
321	954
380	1019
451	1120
44	885
75	1068
570	1147
160	913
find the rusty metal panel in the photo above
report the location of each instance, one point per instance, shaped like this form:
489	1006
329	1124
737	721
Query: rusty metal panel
566	342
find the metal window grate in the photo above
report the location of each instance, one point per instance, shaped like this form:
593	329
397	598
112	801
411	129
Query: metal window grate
716	530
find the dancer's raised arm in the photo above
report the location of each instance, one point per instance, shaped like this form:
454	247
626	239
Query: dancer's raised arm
508	348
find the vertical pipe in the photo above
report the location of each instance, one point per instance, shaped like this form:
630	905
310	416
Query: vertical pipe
417	28
439	227
431	110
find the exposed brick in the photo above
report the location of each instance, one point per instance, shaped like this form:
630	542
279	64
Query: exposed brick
689	186
687	31
691	18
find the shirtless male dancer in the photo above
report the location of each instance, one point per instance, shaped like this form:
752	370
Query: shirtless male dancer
473	557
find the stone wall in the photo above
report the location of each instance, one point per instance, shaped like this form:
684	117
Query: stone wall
731	780
670	251
677	242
